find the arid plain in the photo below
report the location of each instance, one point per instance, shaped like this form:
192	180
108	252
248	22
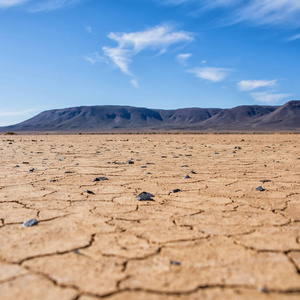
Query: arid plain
217	238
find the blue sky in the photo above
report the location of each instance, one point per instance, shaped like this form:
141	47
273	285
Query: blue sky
148	53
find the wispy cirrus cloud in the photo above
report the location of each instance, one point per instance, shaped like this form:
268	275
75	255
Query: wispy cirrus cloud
40	5
182	58
210	73
13	113
256	12
269	98
10	3
159	38
94	58
248	85
294	38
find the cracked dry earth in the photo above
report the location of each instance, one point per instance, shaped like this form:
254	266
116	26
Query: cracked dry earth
217	238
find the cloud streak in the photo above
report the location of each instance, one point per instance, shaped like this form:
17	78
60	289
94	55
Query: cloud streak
210	73
159	38
40	5
10	3
256	12
269	98
182	58
248	85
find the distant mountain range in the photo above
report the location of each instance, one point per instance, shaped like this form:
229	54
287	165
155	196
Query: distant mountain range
135	119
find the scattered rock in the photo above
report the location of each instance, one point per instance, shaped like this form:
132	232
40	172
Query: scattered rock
184	166
17	166
129	162
265	180
143	167
31	170
186	177
30	223
175	191
144	196
89	192
193	172
175	263
148	173
100	179
53	180
260	188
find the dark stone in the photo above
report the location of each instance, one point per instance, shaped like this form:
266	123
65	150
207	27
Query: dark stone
31	170
193	172
129	162
143	167
175	191
89	192
260	188
186	177
148	173
30	223
53	180
265	180
100	179
175	263
17	166
144	196
184	166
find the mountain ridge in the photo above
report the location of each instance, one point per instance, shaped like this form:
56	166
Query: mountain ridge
114	118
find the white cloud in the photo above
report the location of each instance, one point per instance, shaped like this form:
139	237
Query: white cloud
269	98
120	58
94	58
182	58
9	3
4	113
40	5
159	38
294	38
248	85
134	83
210	73
258	12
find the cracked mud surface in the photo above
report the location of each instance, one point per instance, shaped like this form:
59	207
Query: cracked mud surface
217	238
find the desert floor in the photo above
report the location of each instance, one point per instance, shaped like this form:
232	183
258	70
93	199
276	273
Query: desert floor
217	238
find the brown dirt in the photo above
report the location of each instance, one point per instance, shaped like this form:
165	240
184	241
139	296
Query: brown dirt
218	238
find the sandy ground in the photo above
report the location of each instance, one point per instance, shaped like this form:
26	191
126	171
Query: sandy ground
217	238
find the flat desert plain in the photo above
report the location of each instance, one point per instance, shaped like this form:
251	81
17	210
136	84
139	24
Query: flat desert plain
217	238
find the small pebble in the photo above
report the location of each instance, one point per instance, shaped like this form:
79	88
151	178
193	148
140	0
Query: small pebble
175	191
148	173
186	177
129	162
100	179
30	223
31	170
53	180
193	172
17	166
260	188
143	167
89	192
184	166
175	263
144	196
265	180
